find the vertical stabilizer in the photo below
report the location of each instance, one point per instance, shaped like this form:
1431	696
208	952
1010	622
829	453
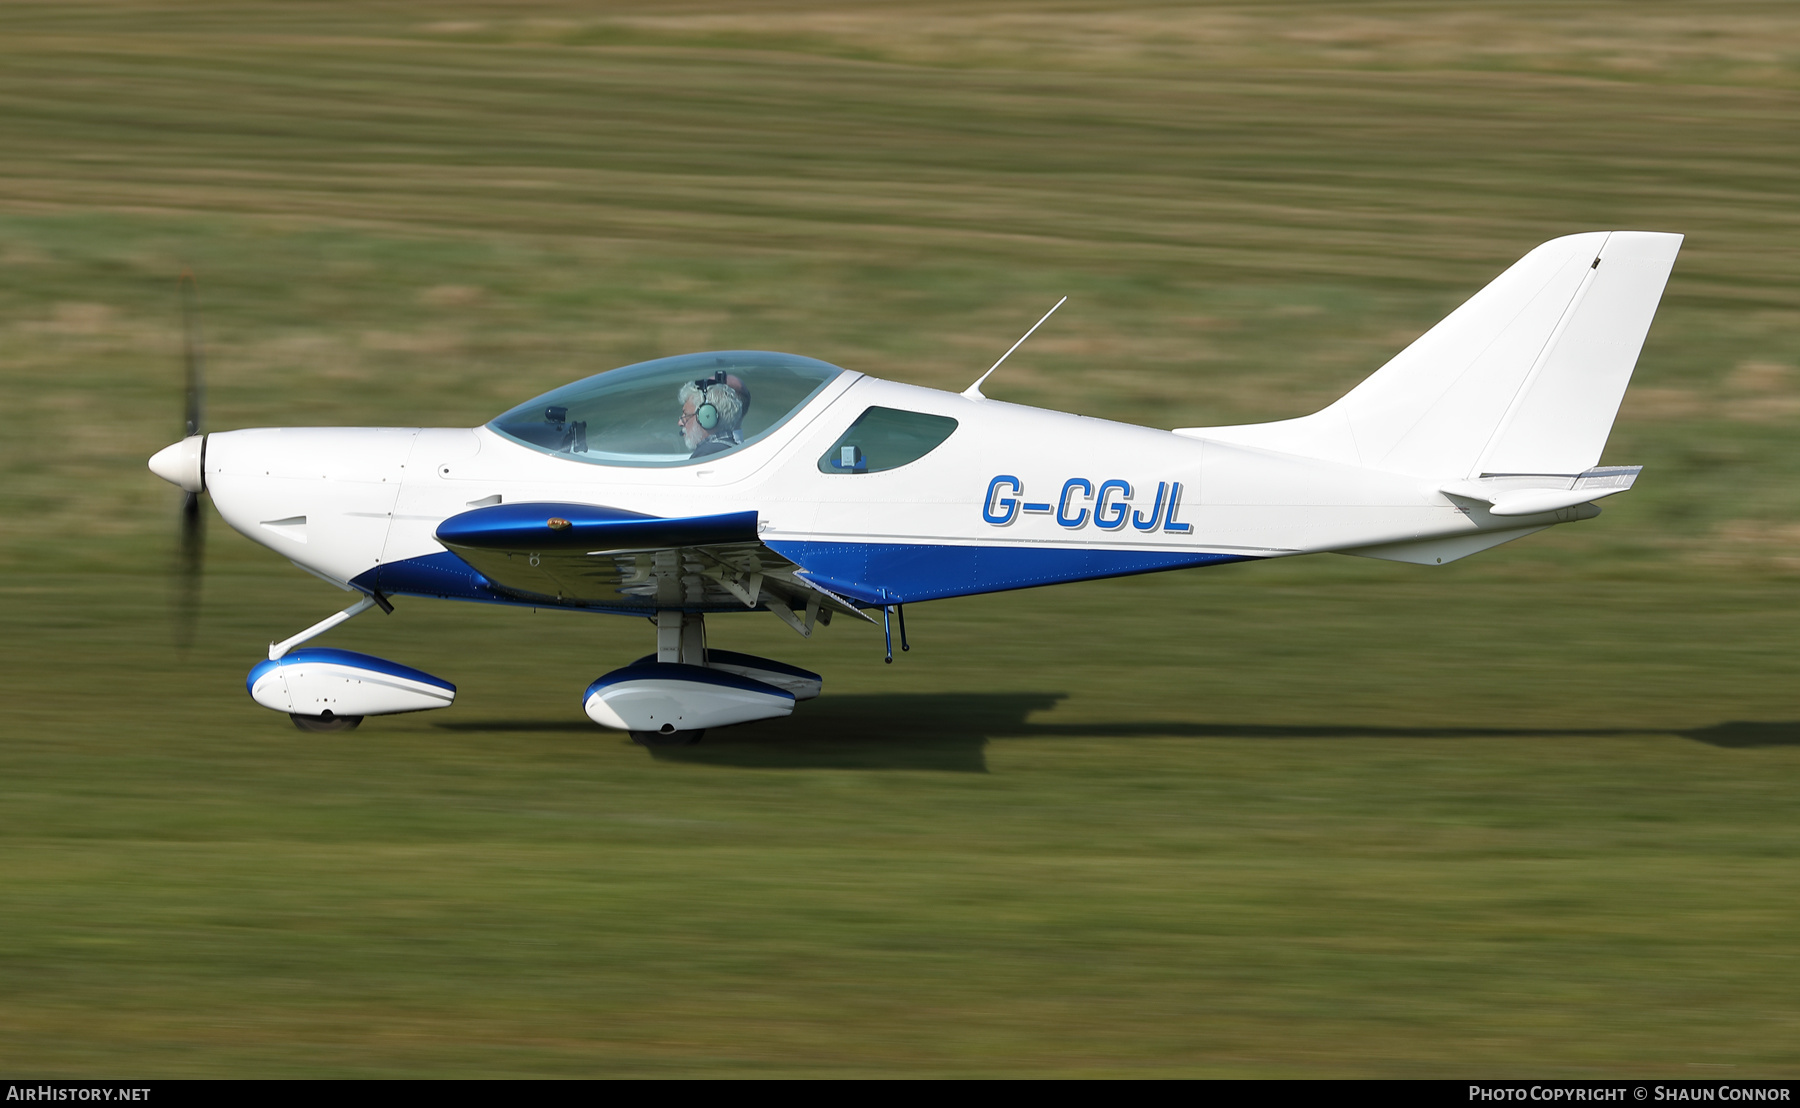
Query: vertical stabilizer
1526	377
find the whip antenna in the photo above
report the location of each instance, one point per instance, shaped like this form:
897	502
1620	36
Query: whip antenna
973	392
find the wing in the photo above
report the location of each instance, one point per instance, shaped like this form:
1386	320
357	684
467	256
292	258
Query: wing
584	555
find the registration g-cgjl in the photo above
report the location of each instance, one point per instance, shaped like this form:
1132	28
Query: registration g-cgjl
1111	505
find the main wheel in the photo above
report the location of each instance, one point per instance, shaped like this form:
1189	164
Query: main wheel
326	722
667	738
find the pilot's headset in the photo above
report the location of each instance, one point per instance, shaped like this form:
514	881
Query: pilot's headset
706	415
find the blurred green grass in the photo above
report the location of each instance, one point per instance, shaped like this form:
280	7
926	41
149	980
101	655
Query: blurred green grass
1531	813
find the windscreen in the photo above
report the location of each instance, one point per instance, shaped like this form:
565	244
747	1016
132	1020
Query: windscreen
671	411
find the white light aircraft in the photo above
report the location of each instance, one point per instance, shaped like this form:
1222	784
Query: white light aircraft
739	481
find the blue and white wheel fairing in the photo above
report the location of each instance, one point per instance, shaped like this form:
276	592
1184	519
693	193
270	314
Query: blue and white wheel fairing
323	682
803	683
670	697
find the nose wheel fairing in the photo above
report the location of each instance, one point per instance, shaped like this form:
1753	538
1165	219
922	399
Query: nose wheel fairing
324	683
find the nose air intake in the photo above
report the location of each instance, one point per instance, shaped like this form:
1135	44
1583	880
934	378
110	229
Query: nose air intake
181	464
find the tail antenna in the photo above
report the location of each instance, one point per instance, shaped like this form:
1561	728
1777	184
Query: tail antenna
973	392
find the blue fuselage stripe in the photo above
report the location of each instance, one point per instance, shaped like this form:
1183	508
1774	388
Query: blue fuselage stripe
899	573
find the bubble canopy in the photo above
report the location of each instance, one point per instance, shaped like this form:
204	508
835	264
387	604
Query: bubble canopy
671	411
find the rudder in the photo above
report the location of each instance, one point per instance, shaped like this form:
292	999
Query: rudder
1565	409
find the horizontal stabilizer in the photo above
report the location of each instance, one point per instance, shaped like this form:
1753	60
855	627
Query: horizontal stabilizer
1536	502
1529	494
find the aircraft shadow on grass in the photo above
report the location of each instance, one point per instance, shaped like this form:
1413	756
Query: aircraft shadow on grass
949	732
923	731
1739	733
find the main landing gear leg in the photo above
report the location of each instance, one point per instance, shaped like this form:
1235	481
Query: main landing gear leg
680	637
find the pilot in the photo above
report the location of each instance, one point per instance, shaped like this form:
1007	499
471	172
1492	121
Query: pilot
712	413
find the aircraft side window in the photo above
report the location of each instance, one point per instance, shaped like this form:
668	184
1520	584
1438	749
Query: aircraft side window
886	438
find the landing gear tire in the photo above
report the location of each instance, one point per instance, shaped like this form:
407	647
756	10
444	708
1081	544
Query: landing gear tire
667	738
326	722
